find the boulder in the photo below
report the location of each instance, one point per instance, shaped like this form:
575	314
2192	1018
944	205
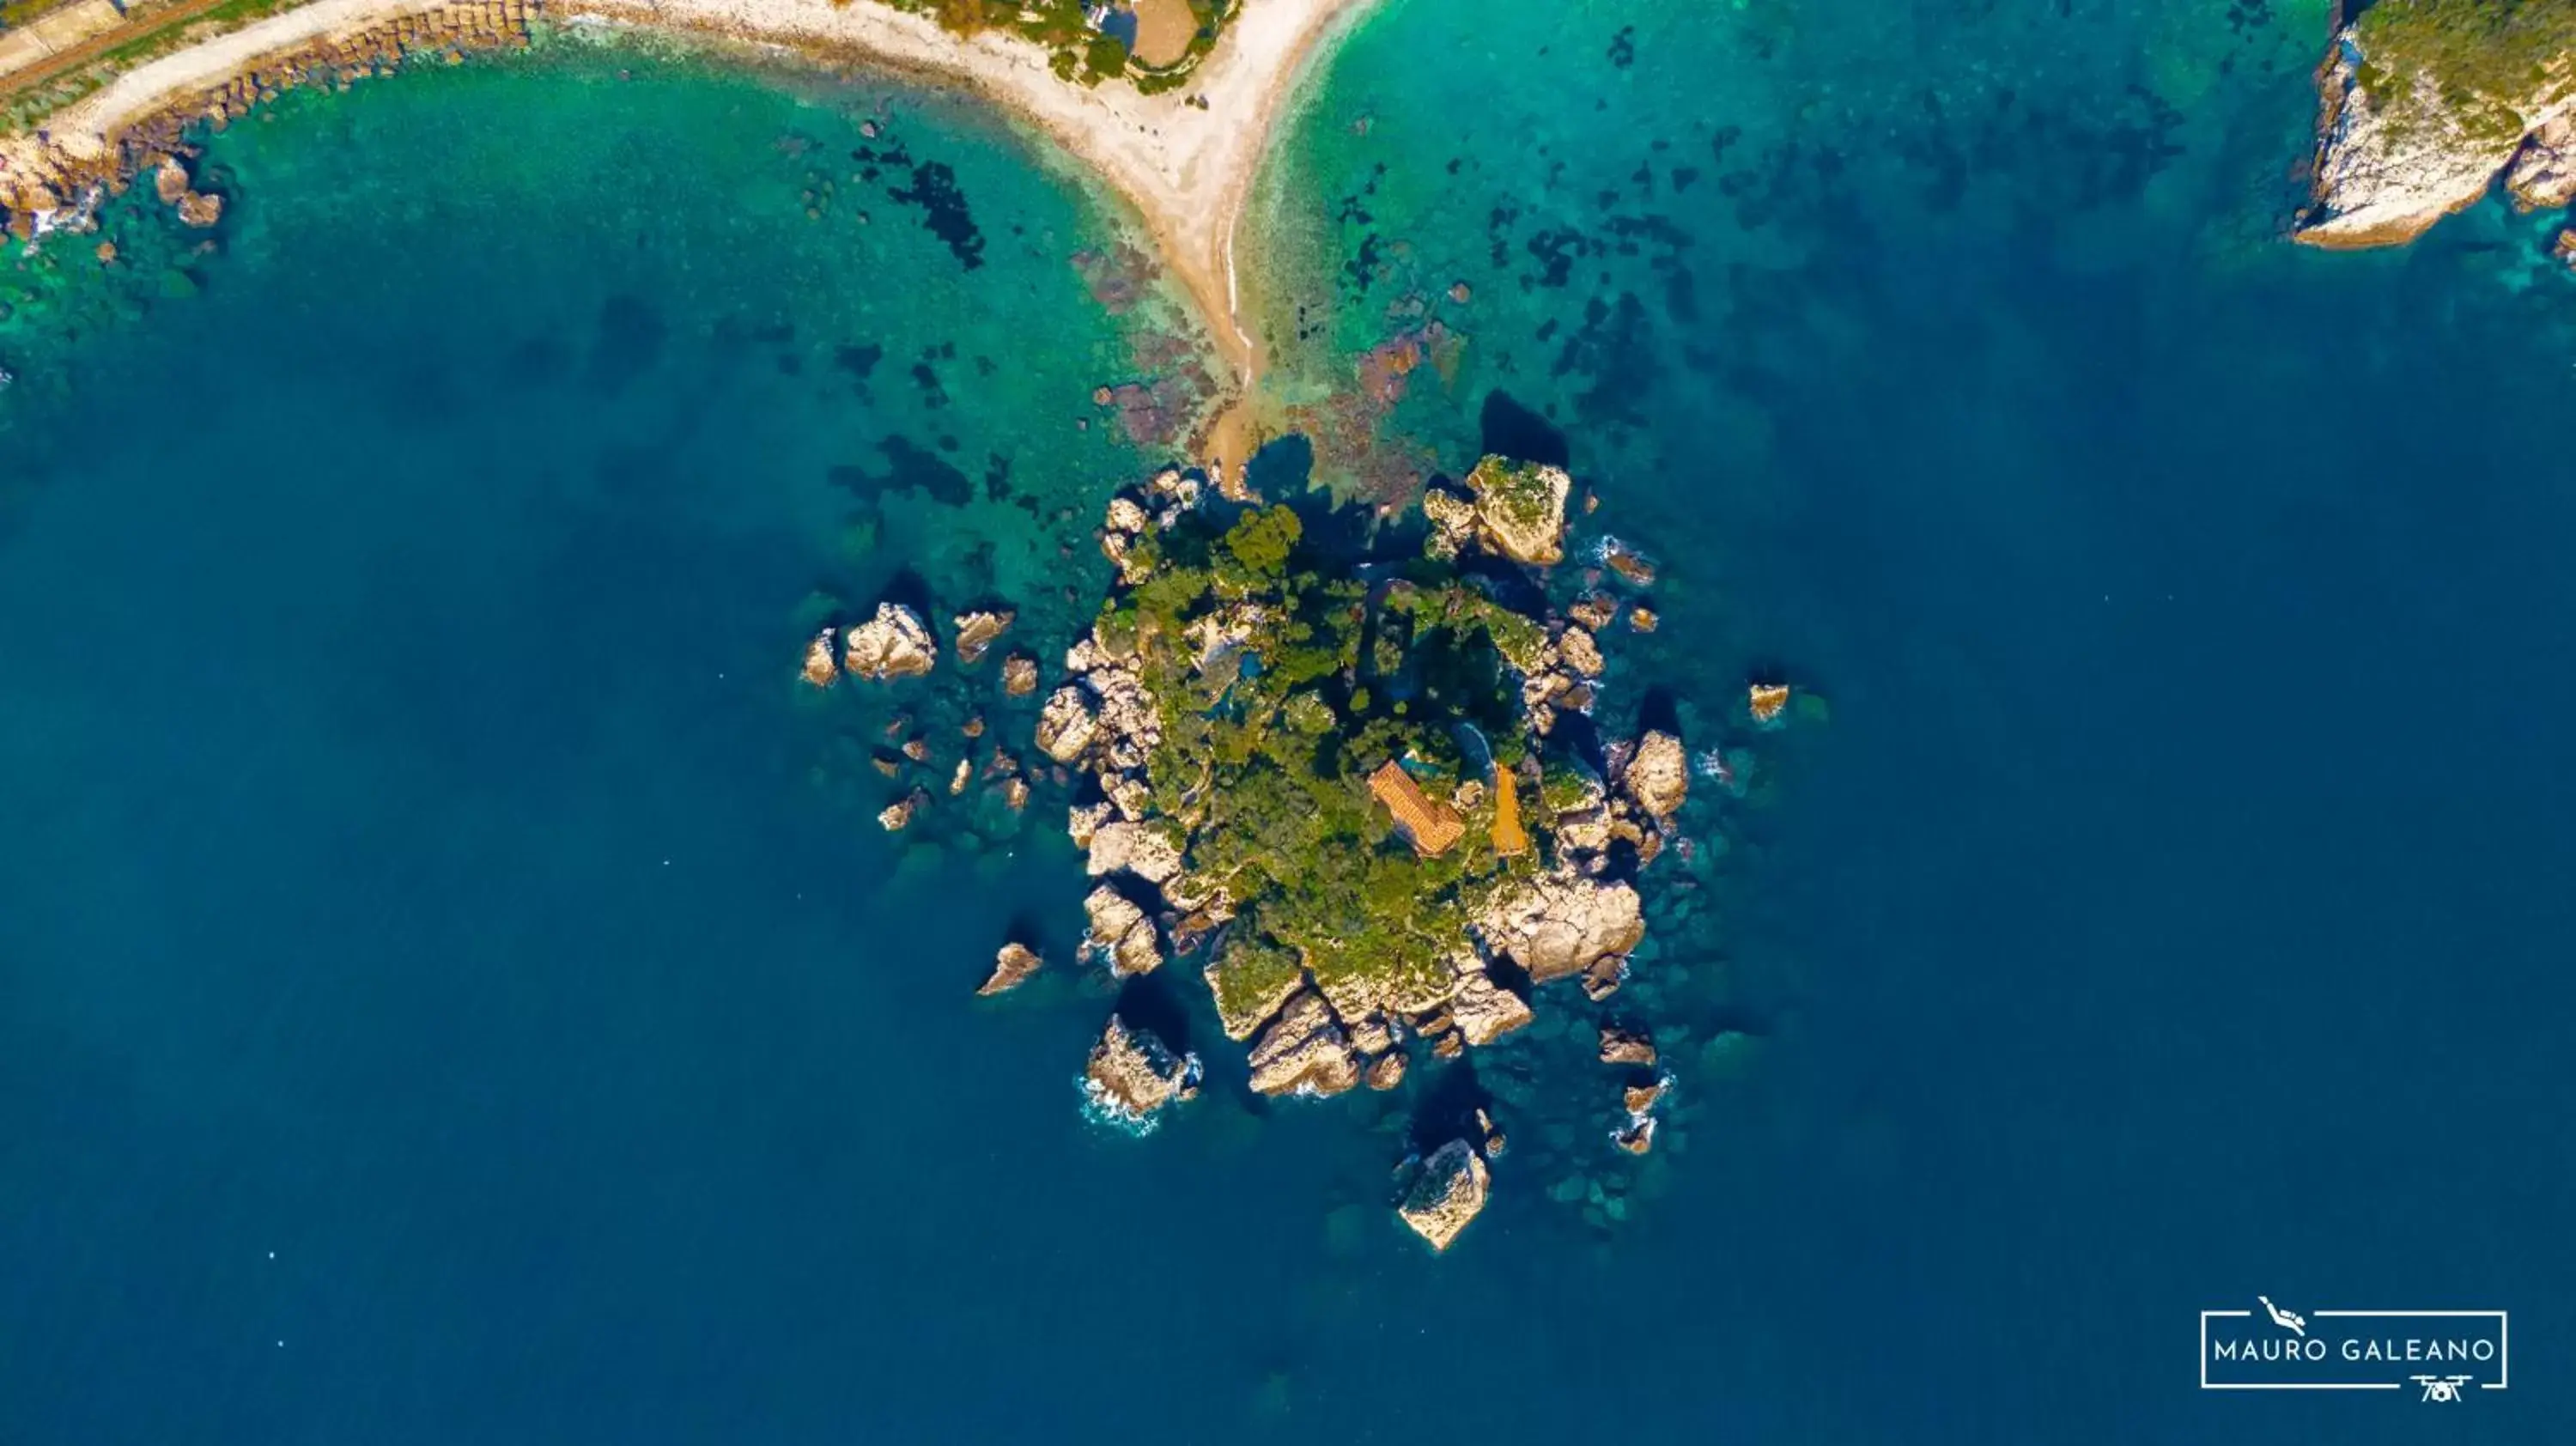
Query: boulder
1520	508
1136	848
1019	675
1304	1051
820	668
1581	652
1625	1046
977	630
1083	821
897	815
1641	1100
1594	610
1658	775
1447	1192
1637	1136
1485	1011
1066	725
1386	1071
1453	522
893	644
1560	924
200	209
1013	965
1132	1074
1129	723
2543	174
1121	934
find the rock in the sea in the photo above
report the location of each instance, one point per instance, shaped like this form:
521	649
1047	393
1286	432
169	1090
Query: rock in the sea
1520	508
200	209
1066	725
1594	610
1133	1074
1637	1136
1386	1071
820	668
1446	1194
1304	1051
1121	933
898	814
169	180
1581	652
977	630
2543	174
2419	113
1013	965
1766	701
1019	674
1642	1099
1641	618
1658	775
1625	1046
1453	522
1485	1011
1082	822
1560	924
1142	849
1602	977
893	644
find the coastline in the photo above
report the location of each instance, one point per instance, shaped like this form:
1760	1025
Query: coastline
1185	167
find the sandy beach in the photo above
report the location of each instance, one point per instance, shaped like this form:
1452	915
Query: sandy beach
1186	167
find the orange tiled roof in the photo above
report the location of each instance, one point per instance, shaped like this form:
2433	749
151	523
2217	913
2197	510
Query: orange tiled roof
1432	826
1509	837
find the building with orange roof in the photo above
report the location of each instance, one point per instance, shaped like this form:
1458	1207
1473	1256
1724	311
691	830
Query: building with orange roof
1431	826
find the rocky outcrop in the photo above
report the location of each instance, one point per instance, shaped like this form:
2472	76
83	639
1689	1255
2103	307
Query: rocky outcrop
1121	934
1304	1051
976	631
1519	509
1141	849
1011	968
1560	924
1626	1046
2399	146
1066	725
1447	1193
2543	174
821	668
893	644
1483	1010
1019	675
1658	775
1132	1074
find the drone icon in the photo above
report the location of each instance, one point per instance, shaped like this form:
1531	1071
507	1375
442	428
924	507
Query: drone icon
2442	1388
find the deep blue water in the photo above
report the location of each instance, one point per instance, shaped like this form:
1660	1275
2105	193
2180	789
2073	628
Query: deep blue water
421	867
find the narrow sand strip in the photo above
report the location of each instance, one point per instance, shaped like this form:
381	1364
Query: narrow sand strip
1185	168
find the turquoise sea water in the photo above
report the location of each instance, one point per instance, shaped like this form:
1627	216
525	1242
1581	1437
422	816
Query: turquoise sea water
419	865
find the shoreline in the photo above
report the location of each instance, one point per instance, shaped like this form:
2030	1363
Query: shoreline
1186	170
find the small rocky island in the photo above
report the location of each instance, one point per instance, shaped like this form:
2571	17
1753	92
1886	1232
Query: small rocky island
1365	799
1344	796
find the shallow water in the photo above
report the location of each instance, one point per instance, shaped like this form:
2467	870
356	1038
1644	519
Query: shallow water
423	869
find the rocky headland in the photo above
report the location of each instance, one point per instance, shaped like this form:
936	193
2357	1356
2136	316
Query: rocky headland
2425	103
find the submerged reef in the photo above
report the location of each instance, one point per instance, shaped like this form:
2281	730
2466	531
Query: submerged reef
2425	102
1357	782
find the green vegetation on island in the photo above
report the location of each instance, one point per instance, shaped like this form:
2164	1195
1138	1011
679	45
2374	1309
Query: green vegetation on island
2486	64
